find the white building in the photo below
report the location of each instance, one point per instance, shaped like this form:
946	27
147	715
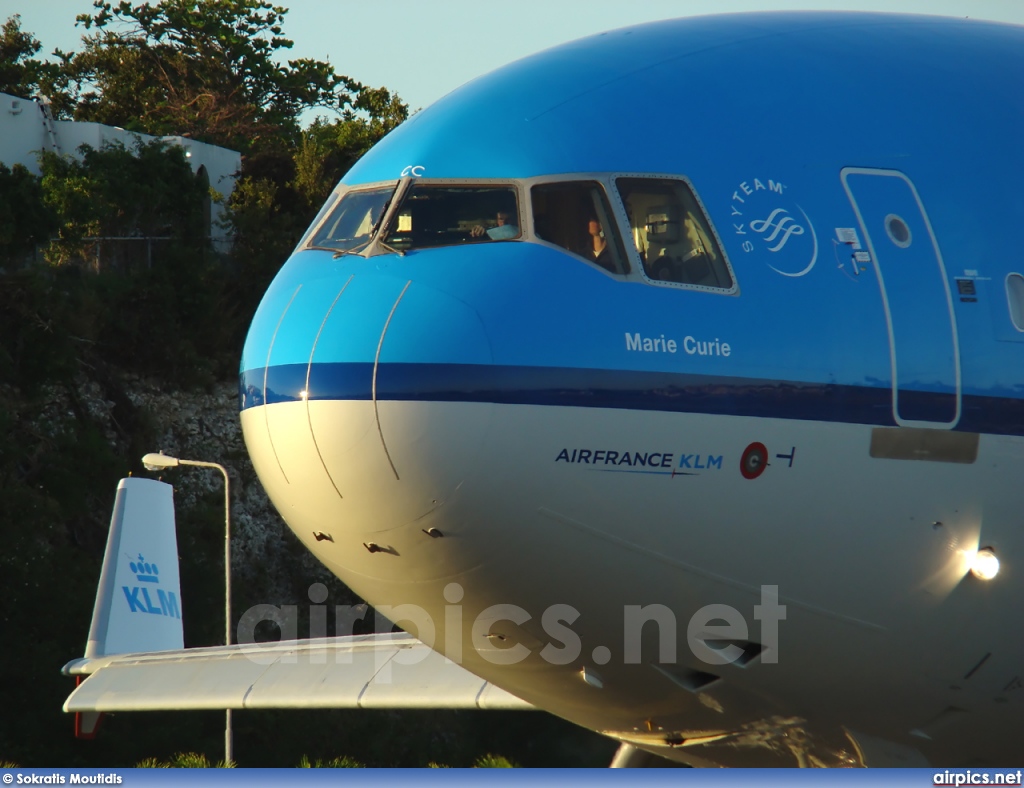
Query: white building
26	129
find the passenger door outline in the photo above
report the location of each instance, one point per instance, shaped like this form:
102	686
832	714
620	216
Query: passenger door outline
886	262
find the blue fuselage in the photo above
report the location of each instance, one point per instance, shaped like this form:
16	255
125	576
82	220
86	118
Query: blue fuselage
851	184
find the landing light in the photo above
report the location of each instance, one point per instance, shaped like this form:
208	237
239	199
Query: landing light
985	564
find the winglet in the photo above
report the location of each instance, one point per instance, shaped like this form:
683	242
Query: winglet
138	601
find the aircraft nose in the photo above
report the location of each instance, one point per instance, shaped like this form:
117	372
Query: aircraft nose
402	445
356	426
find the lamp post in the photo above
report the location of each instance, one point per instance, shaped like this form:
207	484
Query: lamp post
157	462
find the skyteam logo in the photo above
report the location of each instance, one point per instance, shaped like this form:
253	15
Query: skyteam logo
773	228
138	596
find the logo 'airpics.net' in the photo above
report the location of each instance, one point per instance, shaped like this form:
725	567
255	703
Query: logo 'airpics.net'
773	228
138	596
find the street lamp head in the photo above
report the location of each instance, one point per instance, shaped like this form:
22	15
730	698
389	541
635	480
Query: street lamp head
156	462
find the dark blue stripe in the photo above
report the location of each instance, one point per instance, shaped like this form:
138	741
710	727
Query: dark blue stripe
326	381
621	389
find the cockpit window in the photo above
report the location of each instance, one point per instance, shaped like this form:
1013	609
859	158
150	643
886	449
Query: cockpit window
576	216
324	210
350	225
445	215
672	236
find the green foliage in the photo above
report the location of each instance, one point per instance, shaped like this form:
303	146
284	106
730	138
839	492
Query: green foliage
192	760
54	319
491	761
183	760
54	463
34	349
313	181
152	763
209	68
337	145
175	321
23	75
264	231
117	192
25	221
20	73
280	191
327	150
343	762
488	761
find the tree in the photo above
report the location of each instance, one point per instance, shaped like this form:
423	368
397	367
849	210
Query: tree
25	222
326	151
19	71
281	188
22	75
114	191
374	113
206	69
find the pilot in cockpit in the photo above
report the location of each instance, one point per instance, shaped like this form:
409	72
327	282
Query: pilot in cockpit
597	245
505	228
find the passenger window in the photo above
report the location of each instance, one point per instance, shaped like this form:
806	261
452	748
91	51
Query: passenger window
349	225
672	236
577	217
441	215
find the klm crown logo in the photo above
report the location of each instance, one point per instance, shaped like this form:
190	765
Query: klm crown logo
139	600
146	573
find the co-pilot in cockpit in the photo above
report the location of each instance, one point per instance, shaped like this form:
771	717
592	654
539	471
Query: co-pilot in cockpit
670	233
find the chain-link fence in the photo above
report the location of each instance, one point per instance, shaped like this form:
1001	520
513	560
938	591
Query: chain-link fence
119	253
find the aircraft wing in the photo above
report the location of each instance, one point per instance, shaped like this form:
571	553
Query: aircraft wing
134	660
362	671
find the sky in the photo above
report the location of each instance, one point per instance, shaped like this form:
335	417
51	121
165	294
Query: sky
422	49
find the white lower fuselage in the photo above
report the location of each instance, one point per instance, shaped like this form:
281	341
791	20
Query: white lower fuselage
870	557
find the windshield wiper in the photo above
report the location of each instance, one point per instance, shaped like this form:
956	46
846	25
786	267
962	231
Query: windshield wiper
390	248
353	250
383	213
